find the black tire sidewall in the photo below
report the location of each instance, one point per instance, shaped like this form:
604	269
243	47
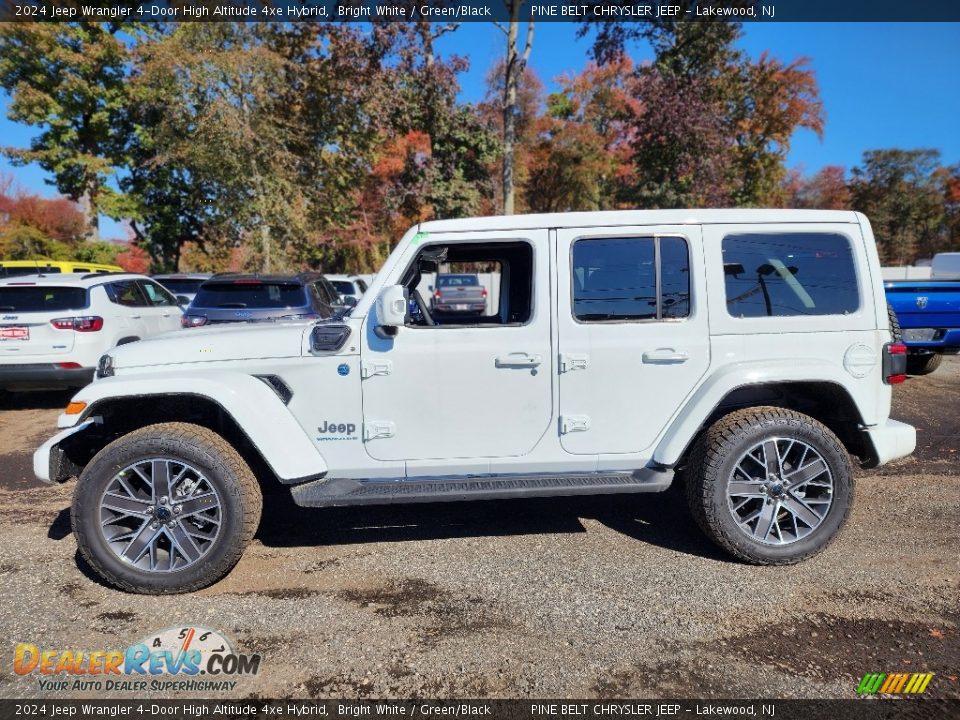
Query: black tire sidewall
838	462
125	452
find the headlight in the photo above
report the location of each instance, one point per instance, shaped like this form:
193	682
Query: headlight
105	367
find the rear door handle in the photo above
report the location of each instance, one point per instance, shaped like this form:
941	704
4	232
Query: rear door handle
518	359
665	356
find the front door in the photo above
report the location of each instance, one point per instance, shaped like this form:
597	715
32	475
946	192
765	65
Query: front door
464	384
633	333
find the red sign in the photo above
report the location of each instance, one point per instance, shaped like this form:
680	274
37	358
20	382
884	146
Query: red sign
14	333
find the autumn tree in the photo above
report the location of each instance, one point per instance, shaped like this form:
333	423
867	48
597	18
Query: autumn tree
69	80
580	157
714	127
826	190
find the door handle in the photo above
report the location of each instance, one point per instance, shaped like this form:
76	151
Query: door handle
136	317
665	356
518	359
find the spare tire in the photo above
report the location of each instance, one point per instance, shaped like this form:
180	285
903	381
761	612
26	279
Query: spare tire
894	324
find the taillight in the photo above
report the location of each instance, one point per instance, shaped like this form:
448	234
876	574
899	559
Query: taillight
87	323
436	294
894	363
189	321
483	293
69	365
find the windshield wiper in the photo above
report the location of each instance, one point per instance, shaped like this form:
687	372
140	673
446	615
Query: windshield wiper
232	305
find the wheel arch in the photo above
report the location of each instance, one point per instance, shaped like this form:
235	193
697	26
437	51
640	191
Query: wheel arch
244	410
826	401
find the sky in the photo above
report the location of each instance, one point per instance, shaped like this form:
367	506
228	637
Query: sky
882	84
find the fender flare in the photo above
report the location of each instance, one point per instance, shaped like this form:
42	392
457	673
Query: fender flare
253	405
706	398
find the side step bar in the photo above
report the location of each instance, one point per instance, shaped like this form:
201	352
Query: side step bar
333	492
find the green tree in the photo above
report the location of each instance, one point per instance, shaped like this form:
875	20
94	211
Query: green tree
69	80
903	193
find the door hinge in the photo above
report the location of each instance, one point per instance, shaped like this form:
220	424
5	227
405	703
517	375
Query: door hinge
574	423
376	367
573	361
382	429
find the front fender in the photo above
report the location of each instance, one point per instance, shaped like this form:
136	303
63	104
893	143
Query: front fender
711	393
253	405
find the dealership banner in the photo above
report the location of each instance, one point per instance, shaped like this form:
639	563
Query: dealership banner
498	709
481	10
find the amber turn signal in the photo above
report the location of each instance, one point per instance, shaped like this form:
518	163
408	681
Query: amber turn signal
75	408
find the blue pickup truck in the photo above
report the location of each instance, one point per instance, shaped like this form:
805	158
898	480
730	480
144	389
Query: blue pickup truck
929	315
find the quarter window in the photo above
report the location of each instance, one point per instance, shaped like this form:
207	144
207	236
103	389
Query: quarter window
156	295
623	279
789	274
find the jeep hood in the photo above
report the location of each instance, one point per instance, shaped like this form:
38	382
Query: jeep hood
230	342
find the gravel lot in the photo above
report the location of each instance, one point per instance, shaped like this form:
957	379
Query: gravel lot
607	597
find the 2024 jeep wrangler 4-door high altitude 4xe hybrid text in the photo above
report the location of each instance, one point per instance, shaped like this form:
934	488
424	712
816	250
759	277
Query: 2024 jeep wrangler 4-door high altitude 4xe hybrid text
747	351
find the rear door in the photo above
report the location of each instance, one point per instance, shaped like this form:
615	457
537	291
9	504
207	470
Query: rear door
633	333
162	312
26	312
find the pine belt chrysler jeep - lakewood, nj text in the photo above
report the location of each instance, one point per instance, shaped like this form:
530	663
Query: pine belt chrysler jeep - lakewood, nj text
747	352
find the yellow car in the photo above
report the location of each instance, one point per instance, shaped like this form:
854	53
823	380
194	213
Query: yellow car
11	268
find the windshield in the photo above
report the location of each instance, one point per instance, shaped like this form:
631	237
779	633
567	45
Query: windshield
41	299
457	280
250	295
181	285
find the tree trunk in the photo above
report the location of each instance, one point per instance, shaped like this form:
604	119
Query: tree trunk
91	218
513	70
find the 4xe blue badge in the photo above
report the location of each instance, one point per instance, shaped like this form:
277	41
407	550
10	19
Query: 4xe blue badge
343	369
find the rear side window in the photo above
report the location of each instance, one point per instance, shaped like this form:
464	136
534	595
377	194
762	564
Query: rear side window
617	279
343	287
42	299
789	274
126	293
250	295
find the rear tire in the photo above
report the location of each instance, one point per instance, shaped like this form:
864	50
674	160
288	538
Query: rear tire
168	508
923	364
770	486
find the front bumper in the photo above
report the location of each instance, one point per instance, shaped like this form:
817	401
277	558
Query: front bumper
49	463
43	375
891	440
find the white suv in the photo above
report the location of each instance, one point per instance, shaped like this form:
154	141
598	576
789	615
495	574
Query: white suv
747	352
53	329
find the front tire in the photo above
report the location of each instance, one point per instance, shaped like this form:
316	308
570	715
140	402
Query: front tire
168	508
770	486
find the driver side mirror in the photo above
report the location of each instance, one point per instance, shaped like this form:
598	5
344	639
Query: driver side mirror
183	300
391	309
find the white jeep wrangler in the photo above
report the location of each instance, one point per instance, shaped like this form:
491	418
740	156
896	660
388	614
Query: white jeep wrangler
749	349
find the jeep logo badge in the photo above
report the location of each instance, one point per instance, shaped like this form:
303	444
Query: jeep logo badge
922	301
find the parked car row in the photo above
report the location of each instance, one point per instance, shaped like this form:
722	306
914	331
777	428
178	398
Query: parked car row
928	314
58	318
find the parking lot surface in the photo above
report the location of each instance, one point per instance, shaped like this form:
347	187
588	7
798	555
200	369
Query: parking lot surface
607	597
